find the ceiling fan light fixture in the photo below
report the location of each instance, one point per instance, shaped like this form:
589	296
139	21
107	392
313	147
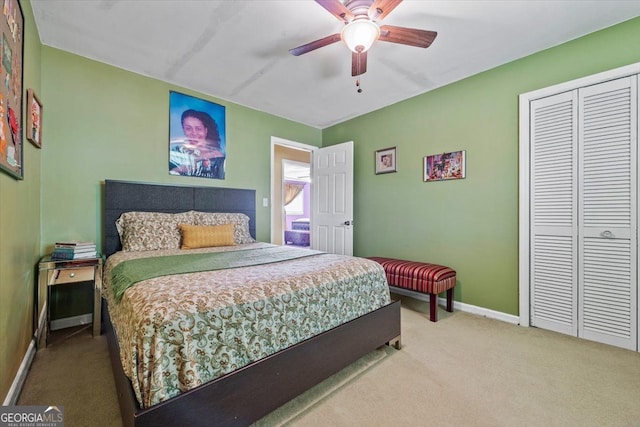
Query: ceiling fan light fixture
360	34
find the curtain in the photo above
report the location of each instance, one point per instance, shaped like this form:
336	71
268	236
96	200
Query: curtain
291	190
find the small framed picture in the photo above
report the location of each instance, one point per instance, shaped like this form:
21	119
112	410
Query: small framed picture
446	166
386	160
34	119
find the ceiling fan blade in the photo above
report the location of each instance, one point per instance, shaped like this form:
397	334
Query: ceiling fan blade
296	51
381	8
337	9
358	63
408	36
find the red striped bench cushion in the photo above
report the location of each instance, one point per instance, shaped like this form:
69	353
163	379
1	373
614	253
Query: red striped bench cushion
417	276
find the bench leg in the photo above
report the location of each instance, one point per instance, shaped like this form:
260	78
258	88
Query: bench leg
450	300
433	307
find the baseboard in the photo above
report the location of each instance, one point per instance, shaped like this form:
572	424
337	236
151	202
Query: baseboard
21	376
42	320
480	311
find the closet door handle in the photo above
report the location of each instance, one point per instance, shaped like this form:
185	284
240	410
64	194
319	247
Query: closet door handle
607	234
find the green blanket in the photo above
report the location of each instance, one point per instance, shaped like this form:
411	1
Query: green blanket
127	273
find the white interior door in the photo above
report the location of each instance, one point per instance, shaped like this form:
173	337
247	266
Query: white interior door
332	199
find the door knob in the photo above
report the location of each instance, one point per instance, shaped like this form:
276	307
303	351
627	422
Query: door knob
348	222
607	234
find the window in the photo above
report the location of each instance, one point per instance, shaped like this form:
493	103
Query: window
296	206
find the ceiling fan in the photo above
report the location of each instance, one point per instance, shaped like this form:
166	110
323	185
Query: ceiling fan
361	30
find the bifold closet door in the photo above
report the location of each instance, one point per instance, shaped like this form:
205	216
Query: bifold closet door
584	212
607	234
554	202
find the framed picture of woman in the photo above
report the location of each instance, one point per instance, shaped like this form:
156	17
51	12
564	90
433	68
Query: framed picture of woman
197	137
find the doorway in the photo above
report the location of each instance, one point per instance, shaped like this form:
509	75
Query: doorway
290	161
296	194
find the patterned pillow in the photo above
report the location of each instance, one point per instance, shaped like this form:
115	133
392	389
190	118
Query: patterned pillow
241	232
149	231
206	236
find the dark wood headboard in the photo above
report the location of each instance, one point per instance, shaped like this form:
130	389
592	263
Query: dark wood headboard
125	196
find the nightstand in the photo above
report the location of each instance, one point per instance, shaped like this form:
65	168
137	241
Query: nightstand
66	272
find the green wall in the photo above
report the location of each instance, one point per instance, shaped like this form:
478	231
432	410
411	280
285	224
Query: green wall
20	231
470	225
103	122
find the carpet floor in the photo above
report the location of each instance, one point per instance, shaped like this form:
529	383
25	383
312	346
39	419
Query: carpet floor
464	370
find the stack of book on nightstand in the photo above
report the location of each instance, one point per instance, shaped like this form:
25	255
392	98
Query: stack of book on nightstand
74	250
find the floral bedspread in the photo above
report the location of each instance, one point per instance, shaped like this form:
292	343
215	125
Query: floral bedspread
180	331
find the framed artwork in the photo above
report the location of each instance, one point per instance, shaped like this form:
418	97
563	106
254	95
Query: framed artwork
197	137
11	48
34	119
445	166
385	160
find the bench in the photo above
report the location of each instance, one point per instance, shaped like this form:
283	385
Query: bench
430	279
297	237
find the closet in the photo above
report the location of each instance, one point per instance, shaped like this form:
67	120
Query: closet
583	211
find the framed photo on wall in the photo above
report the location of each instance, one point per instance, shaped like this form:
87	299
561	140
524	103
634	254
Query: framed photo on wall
34	119
11	48
445	166
197	137
385	160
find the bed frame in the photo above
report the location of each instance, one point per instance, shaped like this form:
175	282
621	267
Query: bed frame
249	393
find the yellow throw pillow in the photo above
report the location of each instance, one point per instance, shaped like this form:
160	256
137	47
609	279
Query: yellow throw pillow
205	236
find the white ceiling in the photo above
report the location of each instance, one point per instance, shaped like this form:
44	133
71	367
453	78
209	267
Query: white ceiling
237	50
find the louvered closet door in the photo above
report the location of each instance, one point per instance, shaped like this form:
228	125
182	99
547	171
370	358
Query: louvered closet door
554	213
608	213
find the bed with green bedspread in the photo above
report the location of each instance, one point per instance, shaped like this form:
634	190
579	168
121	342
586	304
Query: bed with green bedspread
187	317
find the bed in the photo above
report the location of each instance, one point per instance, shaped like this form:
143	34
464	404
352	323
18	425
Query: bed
243	394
